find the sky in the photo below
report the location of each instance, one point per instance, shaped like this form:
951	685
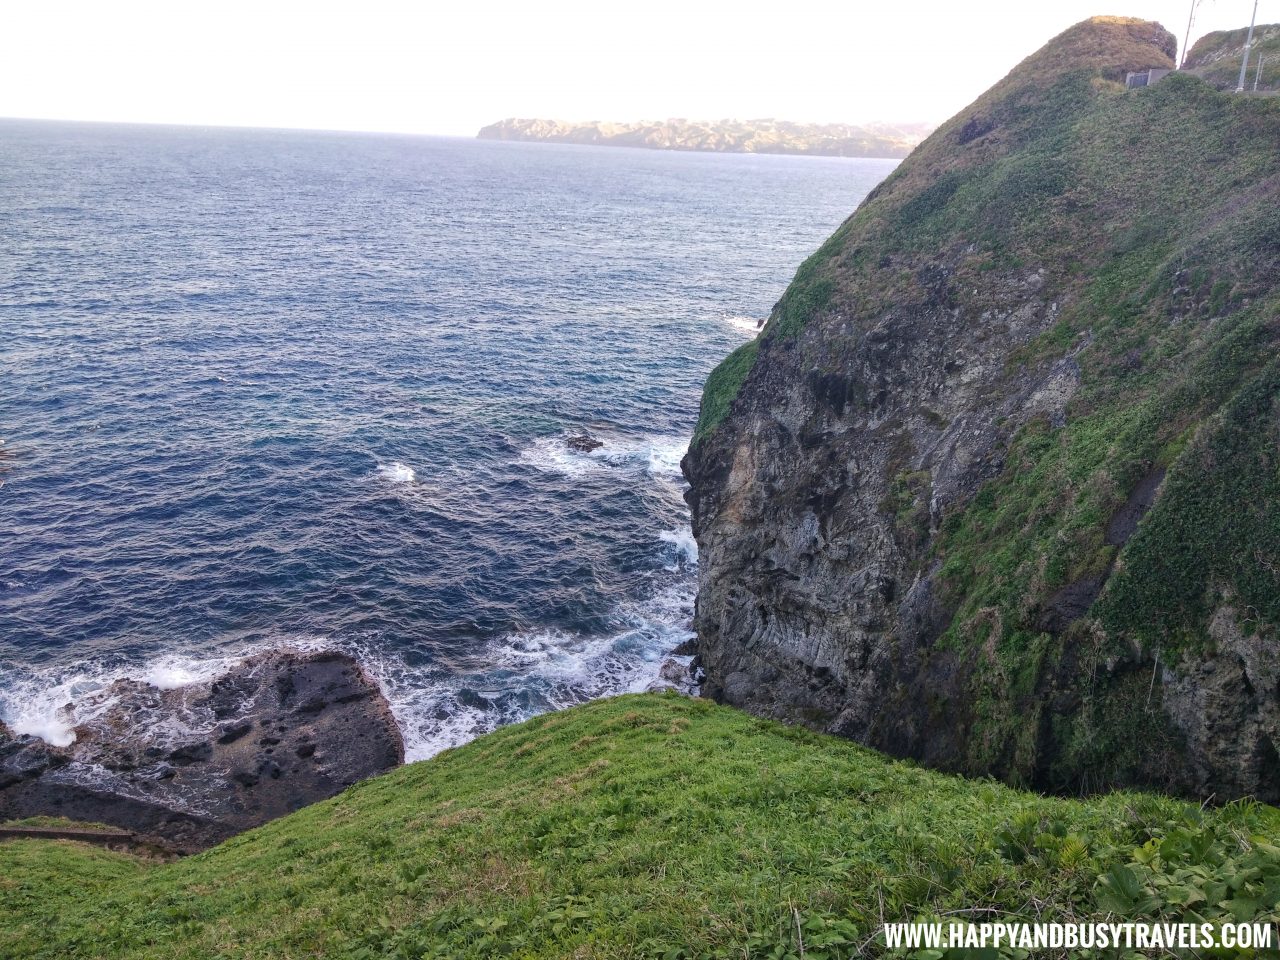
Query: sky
451	67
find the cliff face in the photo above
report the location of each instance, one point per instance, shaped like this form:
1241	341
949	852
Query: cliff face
997	486
723	136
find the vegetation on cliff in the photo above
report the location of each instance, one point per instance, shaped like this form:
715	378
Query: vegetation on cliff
1216	58
644	826
1136	236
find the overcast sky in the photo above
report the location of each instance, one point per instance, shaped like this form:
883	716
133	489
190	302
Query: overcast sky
450	67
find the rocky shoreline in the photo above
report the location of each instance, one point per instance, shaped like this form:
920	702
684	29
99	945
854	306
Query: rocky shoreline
186	768
183	769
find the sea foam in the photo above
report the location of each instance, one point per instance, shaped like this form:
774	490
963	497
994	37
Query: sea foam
659	456
684	548
750	326
397	472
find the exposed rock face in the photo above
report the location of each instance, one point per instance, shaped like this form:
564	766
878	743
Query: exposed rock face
189	767
916	498
1228	708
811	603
724	136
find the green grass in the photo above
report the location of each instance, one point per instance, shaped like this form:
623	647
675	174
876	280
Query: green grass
722	386
643	826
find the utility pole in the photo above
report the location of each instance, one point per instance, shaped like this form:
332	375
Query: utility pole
1244	64
1186	41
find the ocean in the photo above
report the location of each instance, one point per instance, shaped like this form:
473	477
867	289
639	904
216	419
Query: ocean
277	388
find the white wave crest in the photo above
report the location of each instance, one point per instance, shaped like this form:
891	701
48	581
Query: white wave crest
50	703
665	457
658	456
684	548
751	326
397	472
519	676
509	679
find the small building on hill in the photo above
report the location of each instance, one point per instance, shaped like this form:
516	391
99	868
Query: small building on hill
1144	78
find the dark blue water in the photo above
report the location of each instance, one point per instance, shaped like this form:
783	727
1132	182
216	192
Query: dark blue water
262	388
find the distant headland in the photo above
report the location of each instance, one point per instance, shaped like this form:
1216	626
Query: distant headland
894	140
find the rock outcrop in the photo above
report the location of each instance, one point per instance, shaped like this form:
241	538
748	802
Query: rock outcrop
995	488
186	768
722	136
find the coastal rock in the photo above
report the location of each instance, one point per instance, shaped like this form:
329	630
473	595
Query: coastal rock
583	443
186	768
676	673
686	648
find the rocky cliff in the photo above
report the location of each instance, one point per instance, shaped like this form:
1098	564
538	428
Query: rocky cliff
722	136
997	487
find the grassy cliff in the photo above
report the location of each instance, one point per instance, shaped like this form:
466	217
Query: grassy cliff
1126	242
644	826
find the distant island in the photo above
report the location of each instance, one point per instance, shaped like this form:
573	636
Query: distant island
893	140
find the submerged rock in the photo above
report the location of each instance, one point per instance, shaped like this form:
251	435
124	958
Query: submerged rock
189	767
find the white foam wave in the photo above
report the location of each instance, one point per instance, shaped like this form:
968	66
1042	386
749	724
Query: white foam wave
170	675
751	326
684	548
397	472
553	455
519	676
51	703
510	679
658	456
665	457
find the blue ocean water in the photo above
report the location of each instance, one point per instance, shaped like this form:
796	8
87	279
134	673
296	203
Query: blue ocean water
263	388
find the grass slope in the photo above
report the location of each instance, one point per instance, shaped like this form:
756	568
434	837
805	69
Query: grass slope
643	826
1216	57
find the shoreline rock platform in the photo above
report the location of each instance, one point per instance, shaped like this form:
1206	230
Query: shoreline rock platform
186	768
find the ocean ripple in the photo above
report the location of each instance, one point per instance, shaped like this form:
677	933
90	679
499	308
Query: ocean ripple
269	388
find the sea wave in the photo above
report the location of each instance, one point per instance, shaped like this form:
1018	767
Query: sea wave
51	702
658	456
751	326
397	472
521	675
509	679
683	548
